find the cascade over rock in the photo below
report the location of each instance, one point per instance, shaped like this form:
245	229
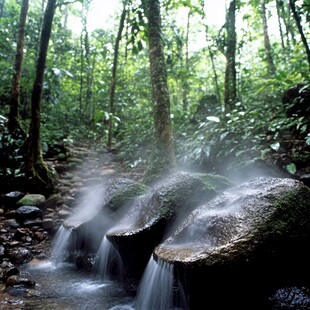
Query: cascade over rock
157	213
245	243
99	209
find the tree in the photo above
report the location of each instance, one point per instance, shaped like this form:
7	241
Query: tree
2	2
163	153
269	58
36	169
15	94
301	32
230	97
113	81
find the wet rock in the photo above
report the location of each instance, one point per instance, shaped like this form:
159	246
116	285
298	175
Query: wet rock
7	269
10	214
305	178
10	199
63	213
293	298
255	233
52	201
11	223
48	223
2	249
17	280
85	261
28	212
40	236
149	218
19	255
36	200
31	223
21	233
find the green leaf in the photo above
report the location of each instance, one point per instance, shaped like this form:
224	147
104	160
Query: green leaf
213	119
275	146
291	168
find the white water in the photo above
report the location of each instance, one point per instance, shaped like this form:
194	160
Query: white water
108	258
60	244
61	287
157	287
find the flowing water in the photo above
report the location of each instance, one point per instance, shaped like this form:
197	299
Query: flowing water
62	287
108	262
60	244
156	291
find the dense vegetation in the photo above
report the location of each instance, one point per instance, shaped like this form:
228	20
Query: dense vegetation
224	113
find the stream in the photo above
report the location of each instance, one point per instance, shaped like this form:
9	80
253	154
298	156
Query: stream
62	287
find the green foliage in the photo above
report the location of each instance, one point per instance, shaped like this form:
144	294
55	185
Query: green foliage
205	138
11	154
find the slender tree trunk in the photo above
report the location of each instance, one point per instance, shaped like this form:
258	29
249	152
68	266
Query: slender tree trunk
269	58
15	95
211	55
88	63
286	17
230	73
2	2
185	86
36	167
280	24
164	156
301	32
290	28
114	69
81	74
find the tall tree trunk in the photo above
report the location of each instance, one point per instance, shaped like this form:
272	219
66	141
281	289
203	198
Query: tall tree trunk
301	32
211	55
269	58
36	167
164	156
15	94
286	17
185	86
230	72
81	92
278	6
2	2
114	69
88	94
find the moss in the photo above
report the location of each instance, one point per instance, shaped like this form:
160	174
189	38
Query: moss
126	196
292	211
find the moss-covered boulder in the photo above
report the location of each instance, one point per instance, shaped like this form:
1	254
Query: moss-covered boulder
157	213
98	210
36	200
243	244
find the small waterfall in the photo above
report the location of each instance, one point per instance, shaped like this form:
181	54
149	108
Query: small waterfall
156	290
108	262
60	244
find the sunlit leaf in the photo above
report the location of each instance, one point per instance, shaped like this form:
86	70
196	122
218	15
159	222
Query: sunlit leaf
275	146
213	119
291	168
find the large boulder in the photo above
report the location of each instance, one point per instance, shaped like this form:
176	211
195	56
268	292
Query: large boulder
157	213
243	244
98	210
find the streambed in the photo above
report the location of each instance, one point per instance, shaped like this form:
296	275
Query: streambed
62	287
